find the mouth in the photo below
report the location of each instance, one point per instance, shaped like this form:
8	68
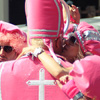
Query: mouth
2	59
65	47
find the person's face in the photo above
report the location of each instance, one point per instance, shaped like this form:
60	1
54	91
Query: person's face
7	52
71	49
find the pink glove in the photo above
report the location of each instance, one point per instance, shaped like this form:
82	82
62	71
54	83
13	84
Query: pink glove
70	89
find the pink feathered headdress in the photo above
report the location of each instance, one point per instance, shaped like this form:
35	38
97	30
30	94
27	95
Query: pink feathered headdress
13	35
87	35
86	74
89	38
44	20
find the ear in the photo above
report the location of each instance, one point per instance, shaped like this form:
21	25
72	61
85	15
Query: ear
59	43
58	46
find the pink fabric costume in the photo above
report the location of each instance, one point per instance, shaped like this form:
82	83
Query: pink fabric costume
26	78
16	37
71	29
89	38
86	78
86	74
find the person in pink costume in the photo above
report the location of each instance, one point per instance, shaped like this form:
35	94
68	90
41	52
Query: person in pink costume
82	40
12	41
86	37
26	78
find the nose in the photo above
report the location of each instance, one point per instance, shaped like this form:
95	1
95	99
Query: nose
67	42
2	52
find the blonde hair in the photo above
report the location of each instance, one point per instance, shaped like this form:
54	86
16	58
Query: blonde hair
38	42
80	54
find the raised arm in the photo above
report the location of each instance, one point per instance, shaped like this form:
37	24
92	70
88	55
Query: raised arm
52	66
49	63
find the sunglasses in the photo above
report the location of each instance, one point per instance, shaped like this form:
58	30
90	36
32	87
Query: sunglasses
72	40
7	49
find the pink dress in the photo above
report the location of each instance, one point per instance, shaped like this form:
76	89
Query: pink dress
27	79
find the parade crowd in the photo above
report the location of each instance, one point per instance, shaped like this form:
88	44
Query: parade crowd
57	59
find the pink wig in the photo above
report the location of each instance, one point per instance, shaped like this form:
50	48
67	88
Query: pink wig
11	34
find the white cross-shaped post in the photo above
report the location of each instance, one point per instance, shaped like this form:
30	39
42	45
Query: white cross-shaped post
41	82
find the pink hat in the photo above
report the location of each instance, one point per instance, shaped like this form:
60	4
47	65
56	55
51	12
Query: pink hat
44	19
12	34
47	19
86	74
89	38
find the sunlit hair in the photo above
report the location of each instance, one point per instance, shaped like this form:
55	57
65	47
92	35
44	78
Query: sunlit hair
16	40
37	42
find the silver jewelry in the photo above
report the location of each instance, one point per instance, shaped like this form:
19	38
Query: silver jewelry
38	51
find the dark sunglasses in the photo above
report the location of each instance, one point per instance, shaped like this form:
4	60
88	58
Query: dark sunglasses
7	49
72	40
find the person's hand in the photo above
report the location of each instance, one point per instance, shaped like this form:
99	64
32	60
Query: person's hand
74	12
63	80
59	84
27	50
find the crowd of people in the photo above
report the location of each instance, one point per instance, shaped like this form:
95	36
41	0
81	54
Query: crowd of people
50	54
